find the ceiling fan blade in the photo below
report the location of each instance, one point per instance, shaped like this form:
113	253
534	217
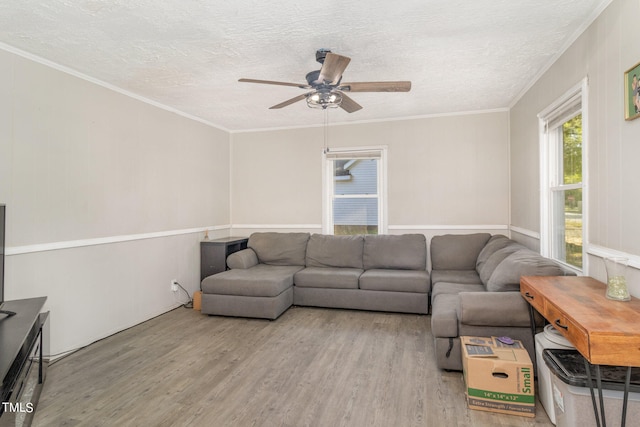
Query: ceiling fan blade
400	86
349	105
271	82
290	101
333	67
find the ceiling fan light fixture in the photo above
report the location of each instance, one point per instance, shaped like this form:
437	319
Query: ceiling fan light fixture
324	100
326	88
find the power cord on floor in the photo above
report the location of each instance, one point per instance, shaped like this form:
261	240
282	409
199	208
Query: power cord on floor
188	304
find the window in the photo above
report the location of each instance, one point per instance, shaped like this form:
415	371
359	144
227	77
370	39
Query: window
563	199
354	191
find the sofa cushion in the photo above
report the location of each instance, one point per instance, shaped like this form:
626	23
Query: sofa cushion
395	280
457	252
525	262
334	251
496	242
444	317
444	288
279	248
245	258
259	281
399	252
498	309
328	277
488	267
455	276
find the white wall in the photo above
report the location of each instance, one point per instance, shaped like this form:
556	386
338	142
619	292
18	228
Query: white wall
444	173
602	53
107	198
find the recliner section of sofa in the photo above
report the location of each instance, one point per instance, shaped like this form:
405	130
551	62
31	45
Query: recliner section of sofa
475	281
366	272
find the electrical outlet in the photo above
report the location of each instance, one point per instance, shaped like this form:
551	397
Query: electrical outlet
174	285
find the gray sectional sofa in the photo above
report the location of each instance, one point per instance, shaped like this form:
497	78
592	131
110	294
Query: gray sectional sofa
475	281
277	270
472	289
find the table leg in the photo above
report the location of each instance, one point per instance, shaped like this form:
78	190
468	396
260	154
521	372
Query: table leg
601	395
532	320
625	400
587	368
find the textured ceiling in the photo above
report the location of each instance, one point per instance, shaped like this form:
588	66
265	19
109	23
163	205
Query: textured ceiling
461	56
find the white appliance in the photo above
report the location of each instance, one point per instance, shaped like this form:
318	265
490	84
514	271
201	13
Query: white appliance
549	338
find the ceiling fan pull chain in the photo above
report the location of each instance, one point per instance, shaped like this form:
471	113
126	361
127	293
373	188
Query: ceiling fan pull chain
326	130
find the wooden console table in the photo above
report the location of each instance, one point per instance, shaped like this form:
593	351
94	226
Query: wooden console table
605	332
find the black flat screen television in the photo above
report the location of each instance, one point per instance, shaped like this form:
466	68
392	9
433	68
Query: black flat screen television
3	212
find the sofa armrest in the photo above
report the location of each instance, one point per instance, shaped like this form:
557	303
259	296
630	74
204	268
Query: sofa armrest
245	258
493	309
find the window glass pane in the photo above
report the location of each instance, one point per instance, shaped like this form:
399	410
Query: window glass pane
356	176
567	226
572	150
355	215
359	214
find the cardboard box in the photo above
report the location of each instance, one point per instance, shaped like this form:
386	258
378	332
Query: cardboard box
498	377
197	300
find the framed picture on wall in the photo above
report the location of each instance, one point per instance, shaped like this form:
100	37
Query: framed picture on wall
632	93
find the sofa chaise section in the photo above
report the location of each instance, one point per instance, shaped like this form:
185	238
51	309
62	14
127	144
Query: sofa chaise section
260	281
364	272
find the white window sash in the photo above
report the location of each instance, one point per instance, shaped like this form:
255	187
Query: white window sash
567	187
568	106
361	153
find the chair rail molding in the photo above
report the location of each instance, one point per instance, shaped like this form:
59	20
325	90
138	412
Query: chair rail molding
53	246
603	252
391	227
525	232
450	227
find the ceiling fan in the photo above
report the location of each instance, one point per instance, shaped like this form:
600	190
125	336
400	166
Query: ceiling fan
328	91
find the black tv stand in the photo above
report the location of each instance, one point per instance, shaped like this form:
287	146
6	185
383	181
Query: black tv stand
24	356
8	313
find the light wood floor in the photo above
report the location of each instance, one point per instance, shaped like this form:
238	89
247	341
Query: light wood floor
310	367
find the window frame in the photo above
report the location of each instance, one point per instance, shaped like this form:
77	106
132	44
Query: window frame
328	183
550	121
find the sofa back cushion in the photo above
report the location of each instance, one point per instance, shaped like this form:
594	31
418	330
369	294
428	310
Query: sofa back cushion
398	252
495	243
457	251
324	250
525	262
486	268
279	248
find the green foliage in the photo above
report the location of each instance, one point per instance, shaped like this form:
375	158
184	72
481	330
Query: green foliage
572	174
572	150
